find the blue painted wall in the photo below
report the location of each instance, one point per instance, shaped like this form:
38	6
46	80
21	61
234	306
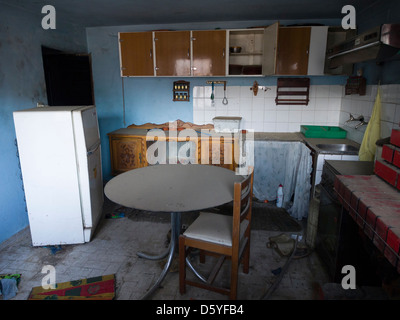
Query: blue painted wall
124	101
22	85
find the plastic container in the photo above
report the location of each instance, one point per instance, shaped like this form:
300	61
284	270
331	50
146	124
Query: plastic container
279	199
330	132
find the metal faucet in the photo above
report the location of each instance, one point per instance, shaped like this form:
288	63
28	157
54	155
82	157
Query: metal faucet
360	118
362	122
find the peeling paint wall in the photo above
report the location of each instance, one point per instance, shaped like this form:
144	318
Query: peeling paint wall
22	85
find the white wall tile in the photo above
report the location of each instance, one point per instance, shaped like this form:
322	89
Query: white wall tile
198	92
269	126
334	104
294	116
269	104
320	116
388	111
257	114
282	127
282	116
294	127
307	116
270	116
233	92
322	91
327	106
245	92
258	126
198	104
335	91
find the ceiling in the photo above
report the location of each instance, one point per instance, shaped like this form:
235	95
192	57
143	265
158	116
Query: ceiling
92	13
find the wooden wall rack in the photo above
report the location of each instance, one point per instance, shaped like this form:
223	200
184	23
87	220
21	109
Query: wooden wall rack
293	91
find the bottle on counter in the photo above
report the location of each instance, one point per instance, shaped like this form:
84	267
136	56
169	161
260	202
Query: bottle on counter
279	198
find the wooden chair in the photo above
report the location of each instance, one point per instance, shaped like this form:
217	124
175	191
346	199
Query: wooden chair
226	236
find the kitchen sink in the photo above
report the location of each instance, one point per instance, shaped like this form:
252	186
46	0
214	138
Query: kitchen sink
338	148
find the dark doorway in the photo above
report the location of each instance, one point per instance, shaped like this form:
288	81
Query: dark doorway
68	78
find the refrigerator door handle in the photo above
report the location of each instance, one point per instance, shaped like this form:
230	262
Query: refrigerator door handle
93	148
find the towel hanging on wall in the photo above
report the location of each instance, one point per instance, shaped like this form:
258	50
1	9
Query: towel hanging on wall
373	131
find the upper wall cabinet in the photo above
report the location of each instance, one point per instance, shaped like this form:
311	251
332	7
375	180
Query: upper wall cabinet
172	52
274	50
294	50
136	53
208	53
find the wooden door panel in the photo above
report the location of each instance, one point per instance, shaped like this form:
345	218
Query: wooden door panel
209	53
293	46
218	152
172	53
127	154
136	54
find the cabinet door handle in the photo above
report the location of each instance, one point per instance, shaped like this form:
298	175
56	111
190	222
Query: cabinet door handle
188	53
151	54
223	53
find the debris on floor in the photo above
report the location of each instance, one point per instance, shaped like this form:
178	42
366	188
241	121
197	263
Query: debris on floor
115	215
282	243
9	285
53	249
95	288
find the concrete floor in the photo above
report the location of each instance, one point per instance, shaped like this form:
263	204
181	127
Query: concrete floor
113	251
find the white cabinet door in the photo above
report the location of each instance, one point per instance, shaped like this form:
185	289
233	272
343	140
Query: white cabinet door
270	49
317	51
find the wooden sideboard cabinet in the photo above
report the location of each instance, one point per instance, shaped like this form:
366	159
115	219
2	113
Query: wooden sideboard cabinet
128	149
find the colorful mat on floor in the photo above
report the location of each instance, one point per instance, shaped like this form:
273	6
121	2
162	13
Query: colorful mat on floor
96	288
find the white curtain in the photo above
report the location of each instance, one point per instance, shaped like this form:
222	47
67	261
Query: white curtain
286	163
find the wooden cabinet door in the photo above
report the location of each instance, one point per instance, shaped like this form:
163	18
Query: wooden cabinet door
293	50
218	152
172	53
136	53
127	153
209	53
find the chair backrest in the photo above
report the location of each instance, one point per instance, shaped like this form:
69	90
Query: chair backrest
242	201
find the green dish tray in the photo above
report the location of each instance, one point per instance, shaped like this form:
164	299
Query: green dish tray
329	132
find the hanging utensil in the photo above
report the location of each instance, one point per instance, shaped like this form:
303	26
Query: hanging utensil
212	92
225	100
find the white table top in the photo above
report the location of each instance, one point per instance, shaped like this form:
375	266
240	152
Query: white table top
173	187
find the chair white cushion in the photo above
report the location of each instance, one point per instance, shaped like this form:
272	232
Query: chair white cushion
215	228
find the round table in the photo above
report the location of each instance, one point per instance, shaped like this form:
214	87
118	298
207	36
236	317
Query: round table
173	189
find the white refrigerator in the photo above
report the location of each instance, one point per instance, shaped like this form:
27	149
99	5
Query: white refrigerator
59	150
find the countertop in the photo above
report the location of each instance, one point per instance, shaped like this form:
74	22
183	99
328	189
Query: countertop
268	136
271	136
